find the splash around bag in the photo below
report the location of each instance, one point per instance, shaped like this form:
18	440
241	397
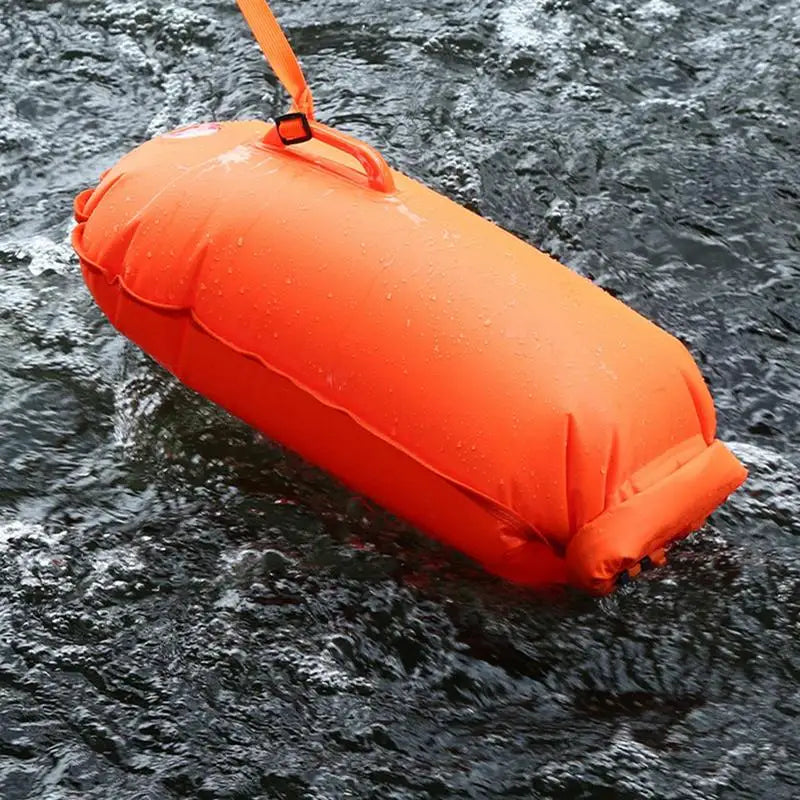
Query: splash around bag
428	359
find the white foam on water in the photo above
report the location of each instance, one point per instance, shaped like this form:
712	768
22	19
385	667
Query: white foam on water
231	600
321	670
528	24
14	530
116	569
658	9
763	459
43	253
117	558
136	401
38	554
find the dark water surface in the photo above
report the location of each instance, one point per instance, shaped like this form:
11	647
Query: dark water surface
188	611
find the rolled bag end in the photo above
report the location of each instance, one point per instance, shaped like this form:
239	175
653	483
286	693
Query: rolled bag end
658	513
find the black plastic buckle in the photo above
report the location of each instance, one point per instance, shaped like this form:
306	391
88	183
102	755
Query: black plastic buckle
290	121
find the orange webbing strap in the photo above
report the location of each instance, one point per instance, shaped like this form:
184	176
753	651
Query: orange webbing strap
278	53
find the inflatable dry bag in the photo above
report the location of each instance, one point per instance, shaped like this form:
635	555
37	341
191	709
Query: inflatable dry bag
425	357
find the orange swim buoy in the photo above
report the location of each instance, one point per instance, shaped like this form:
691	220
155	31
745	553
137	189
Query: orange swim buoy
430	360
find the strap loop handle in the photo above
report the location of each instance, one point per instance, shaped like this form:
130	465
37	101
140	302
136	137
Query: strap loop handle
299	125
378	173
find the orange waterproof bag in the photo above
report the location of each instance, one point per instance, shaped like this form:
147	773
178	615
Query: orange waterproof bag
427	358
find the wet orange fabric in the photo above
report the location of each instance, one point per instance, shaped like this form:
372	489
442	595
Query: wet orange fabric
427	358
